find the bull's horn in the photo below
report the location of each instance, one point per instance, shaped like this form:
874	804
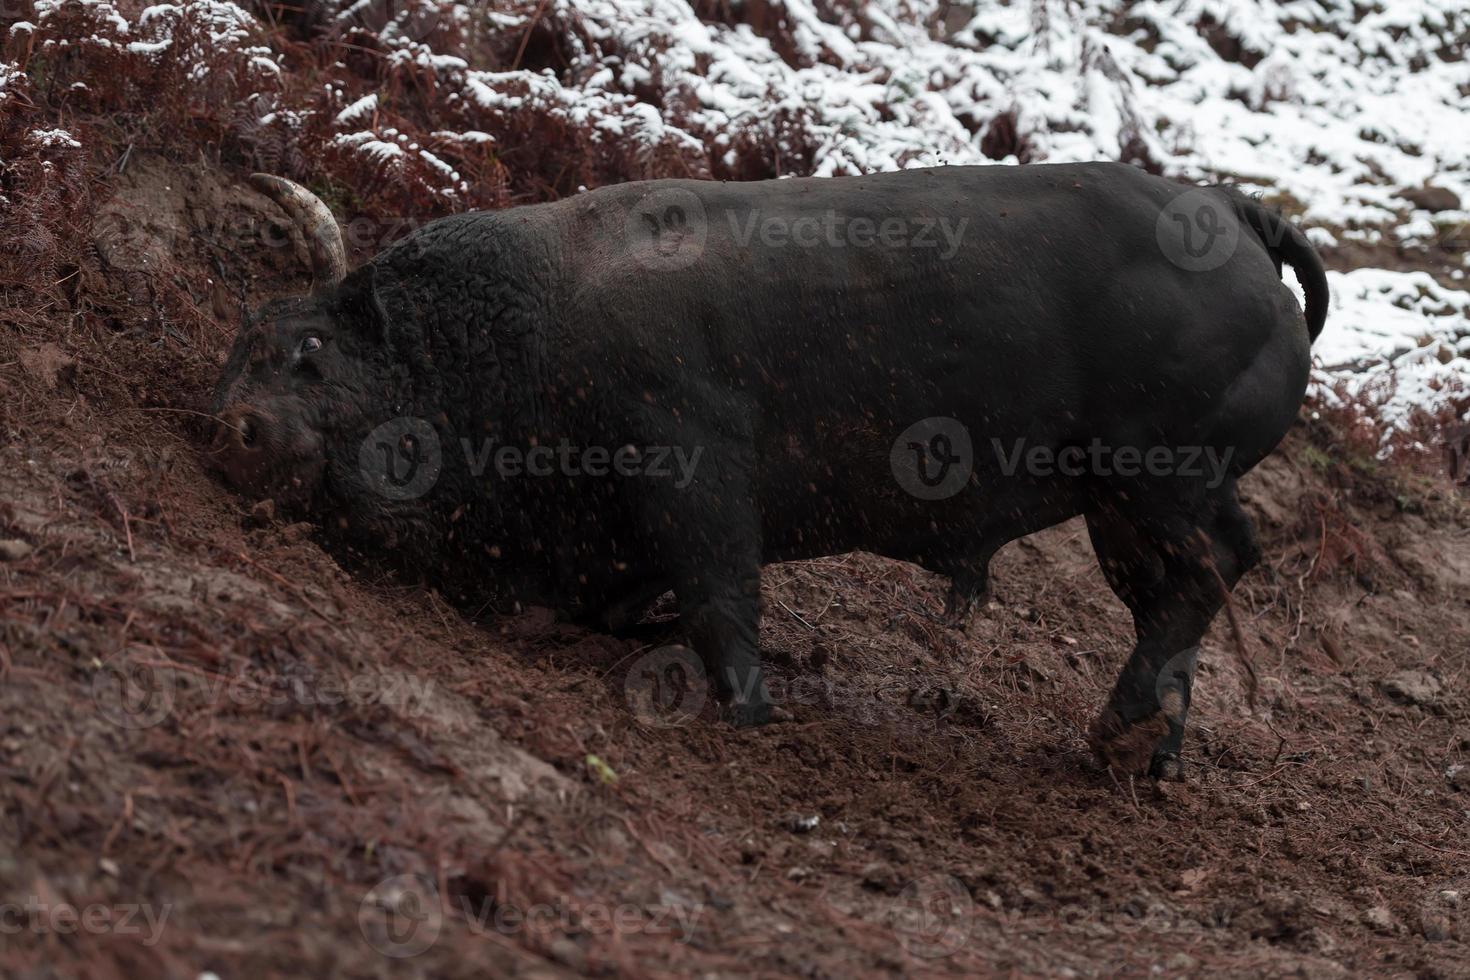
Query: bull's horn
318	227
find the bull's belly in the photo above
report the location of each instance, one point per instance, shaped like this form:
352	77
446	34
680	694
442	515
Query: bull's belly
936	525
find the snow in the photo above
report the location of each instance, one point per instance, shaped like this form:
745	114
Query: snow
54	137
1327	114
362	109
1330	110
1400	335
367	143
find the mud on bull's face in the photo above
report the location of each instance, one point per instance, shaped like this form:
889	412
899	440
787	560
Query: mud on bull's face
298	393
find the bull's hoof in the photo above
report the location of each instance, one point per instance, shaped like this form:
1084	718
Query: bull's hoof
957	610
1167	767
749	714
1128	746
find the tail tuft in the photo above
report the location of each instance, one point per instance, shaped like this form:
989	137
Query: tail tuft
1286	243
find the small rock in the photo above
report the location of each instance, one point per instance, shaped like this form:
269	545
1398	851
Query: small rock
1413	686
13	549
882	878
569	953
1032	671
799	873
1458	776
799	824
1432	198
1436	927
263	514
108	867
1379	918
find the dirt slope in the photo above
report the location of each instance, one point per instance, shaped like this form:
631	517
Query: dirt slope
224	753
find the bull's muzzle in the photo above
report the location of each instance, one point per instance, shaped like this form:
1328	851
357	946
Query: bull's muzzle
260	453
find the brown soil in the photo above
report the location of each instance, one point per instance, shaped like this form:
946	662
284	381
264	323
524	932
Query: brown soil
930	808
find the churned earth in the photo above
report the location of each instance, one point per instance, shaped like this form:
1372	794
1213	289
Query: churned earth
223	753
220	752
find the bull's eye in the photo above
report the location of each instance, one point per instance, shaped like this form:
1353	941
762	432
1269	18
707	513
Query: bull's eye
311	344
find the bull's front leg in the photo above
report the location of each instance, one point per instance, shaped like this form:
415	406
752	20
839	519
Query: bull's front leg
705	529
723	610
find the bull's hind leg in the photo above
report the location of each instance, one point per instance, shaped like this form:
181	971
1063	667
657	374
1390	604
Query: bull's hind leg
1172	571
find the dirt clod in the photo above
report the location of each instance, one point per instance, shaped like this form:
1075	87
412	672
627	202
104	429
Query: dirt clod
1380	918
13	549
1413	687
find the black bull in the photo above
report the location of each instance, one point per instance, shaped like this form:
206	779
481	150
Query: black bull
926	365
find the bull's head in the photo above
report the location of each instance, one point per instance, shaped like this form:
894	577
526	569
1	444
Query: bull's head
328	401
305	374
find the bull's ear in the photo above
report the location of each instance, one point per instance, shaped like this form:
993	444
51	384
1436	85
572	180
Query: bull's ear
362	305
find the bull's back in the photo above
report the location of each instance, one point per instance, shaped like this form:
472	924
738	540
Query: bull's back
1029	304
868	292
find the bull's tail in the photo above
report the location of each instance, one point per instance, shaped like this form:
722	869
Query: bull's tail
1287	244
